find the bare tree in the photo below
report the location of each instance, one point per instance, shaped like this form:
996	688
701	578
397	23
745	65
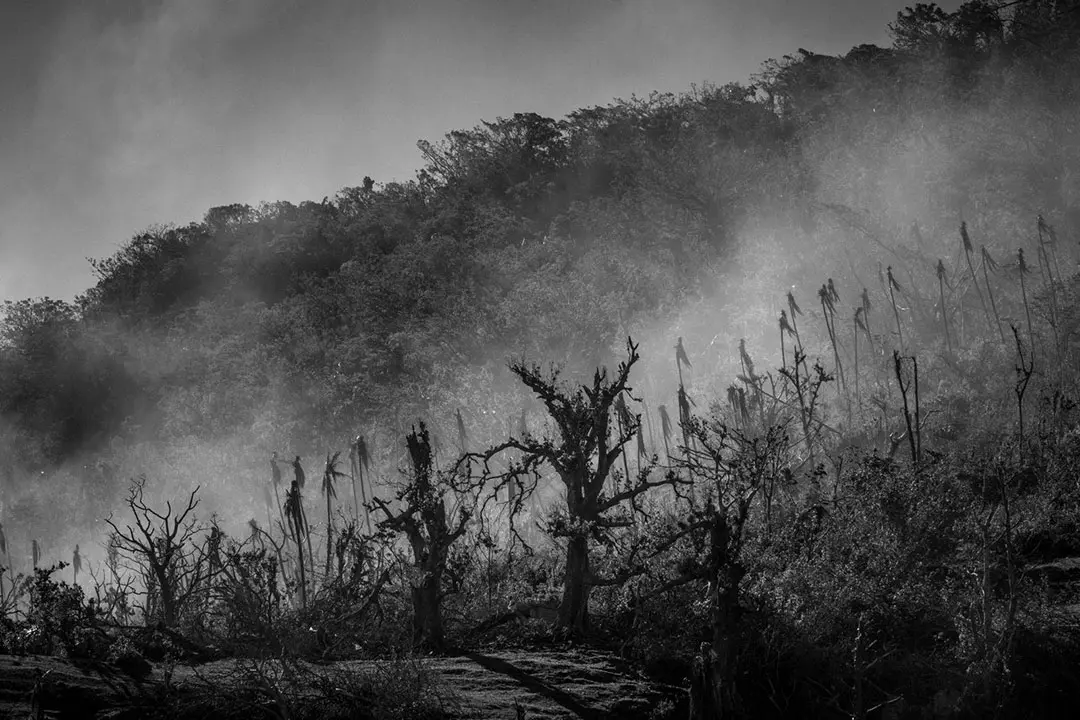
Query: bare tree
170	548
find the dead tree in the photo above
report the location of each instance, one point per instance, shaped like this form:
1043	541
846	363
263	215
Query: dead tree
298	529
170	551
331	473
422	517
583	455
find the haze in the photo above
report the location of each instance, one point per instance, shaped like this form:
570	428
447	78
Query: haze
123	114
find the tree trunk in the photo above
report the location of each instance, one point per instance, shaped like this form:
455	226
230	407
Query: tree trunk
574	610
300	564
713	692
427	615
724	650
168	599
168	607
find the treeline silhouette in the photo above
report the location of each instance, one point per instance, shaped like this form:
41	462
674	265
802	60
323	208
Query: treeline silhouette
547	237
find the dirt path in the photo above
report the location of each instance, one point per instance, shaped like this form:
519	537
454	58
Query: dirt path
476	685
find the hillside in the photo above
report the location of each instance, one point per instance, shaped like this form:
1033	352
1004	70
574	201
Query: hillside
838	452
555	239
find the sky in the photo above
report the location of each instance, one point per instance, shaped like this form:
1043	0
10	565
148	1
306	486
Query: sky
116	115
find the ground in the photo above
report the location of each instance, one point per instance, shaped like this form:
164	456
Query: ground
544	684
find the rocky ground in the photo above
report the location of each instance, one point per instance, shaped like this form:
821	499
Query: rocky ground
508	684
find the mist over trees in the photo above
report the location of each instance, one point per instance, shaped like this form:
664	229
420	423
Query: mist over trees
908	182
549	238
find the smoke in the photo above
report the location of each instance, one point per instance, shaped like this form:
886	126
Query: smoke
167	73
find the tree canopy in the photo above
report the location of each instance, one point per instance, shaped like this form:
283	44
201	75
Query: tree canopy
540	237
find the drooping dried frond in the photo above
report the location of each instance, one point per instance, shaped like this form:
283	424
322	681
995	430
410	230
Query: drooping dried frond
968	252
1047	229
736	397
298	472
330	474
965	238
294	510
680	354
861	325
827	302
744	357
989	262
941	274
892	281
360	452
828	310
665	421
684	406
865	307
785	327
275	471
832	291
793	306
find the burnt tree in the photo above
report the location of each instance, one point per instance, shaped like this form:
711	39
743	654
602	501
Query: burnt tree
584	455
431	530
171	549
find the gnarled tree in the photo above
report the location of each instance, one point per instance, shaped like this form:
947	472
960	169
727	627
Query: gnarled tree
584	455
431	529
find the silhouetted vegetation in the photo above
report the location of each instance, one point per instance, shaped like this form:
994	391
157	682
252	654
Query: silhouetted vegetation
885	524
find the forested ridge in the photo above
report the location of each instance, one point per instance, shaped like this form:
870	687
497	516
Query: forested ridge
554	239
930	188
